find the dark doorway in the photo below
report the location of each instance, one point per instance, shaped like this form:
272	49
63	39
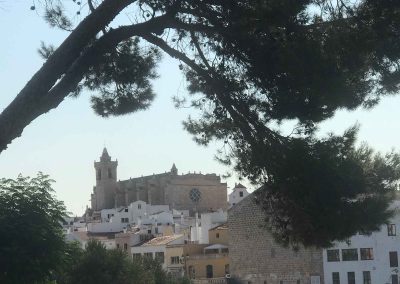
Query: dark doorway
209	270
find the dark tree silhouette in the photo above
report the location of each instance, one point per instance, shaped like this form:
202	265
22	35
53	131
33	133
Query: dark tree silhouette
250	65
32	245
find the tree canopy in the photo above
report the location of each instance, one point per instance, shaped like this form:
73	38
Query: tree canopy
32	246
96	265
251	65
34	249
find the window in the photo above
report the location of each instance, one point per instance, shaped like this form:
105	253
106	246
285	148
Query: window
241	193
160	256
217	235
98	175
349	254
136	256
335	278
148	254
149	231
367	277
124	220
117	246
351	278
393	259
391	229
139	206
174	259
125	246
126	209
395	279
333	255
366	254
109	173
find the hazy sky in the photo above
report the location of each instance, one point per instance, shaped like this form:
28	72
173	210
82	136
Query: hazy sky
65	142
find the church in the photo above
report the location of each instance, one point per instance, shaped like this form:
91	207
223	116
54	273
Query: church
195	192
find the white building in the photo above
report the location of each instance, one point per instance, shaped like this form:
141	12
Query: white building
238	193
137	213
83	238
74	224
106	227
366	259
207	221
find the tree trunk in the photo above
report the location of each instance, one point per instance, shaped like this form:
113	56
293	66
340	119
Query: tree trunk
31	102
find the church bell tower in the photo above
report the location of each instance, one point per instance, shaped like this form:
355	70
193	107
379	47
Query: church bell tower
103	196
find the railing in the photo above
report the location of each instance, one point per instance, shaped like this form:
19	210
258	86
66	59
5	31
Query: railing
220	280
208	256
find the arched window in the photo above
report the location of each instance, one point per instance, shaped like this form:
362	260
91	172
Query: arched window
226	268
109	173
98	174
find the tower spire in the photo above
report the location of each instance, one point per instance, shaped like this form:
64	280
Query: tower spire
105	156
174	170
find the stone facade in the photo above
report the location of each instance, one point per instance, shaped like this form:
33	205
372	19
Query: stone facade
257	259
194	192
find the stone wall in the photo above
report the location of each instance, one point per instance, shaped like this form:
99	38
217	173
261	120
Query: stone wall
213	193
257	259
173	190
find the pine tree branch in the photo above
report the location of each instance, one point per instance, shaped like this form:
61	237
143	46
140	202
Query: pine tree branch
221	92
27	104
105	44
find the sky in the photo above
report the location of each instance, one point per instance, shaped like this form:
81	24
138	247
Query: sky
65	142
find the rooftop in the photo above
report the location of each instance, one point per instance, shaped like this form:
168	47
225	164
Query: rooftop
223	226
239	185
215	246
162	240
